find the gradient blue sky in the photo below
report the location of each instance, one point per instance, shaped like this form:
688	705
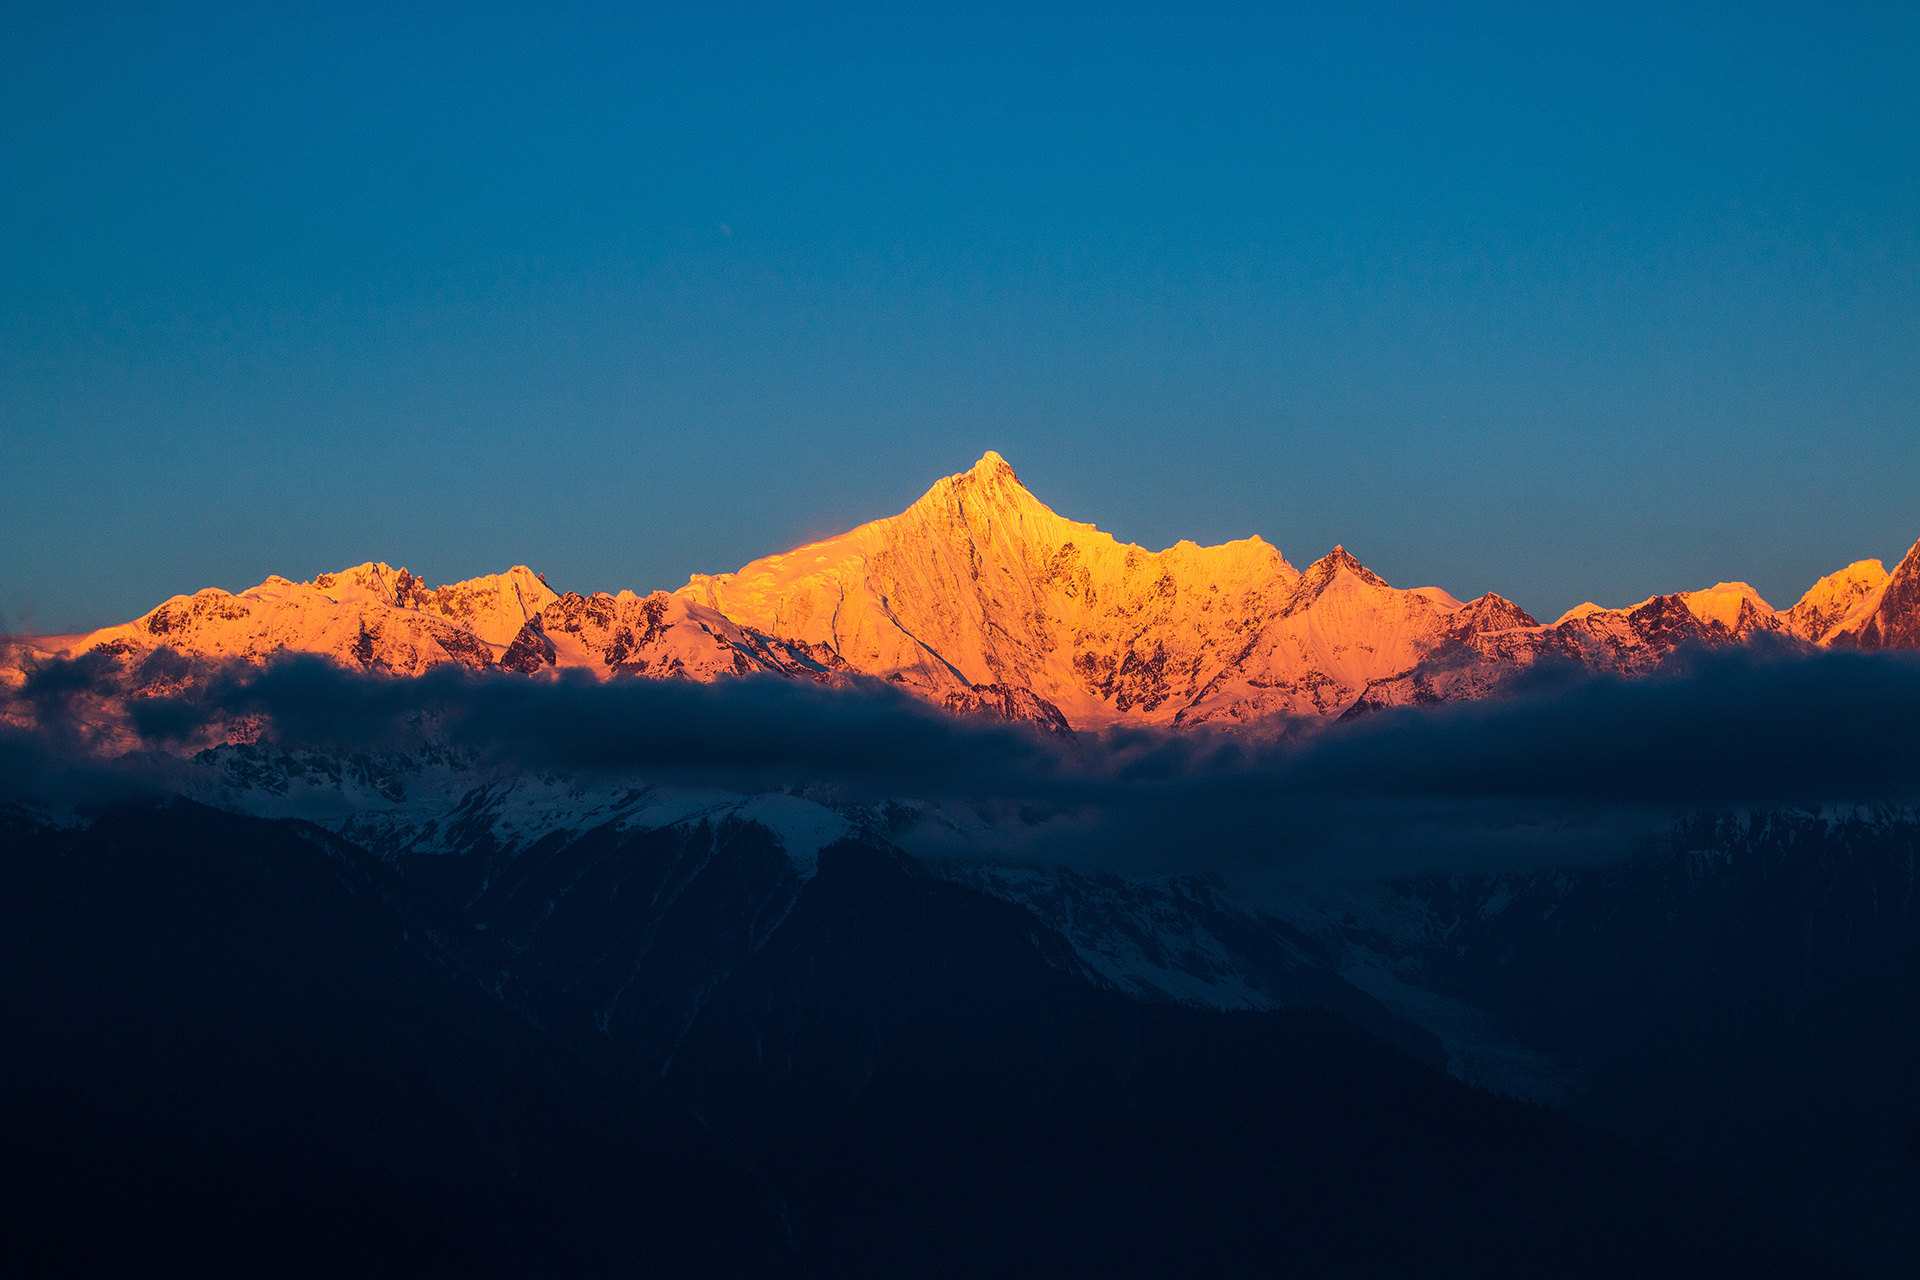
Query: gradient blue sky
1566	302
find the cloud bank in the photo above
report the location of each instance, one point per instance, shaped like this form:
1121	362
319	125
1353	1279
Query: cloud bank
1567	768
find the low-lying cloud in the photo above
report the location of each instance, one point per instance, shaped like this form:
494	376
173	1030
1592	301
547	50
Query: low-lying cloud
1567	768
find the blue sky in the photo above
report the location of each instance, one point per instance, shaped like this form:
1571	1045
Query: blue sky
1564	302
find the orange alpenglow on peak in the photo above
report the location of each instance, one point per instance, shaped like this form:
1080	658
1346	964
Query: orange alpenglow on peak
1887	615
1831	601
981	598
371	615
979	582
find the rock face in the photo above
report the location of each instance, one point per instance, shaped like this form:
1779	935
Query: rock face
984	601
1007	702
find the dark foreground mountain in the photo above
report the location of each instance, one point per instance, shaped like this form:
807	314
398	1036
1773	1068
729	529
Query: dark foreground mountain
1742	996
225	1054
239	1045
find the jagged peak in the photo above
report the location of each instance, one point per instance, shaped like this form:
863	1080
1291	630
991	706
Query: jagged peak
985	501
1745	590
1909	563
1494	612
992	464
365	571
988	488
1320	575
518	573
373	581
379	570
1861	575
1828	602
991	480
1731	604
1725	603
1888	614
1340	558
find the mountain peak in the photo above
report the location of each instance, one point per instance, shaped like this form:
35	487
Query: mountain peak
1734	605
992	473
988	486
1888	616
1491	612
1829	602
1320	575
1341	558
991	463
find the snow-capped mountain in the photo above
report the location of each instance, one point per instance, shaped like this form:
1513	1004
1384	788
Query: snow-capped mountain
980	583
1831	600
1630	641
371	616
1342	629
1887	615
680	932
659	636
983	600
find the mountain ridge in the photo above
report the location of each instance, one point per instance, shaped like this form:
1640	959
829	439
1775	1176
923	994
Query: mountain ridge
981	599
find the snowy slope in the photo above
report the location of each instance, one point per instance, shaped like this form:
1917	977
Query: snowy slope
1831	600
434	804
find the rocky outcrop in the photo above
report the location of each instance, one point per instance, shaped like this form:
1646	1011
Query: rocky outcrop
1007	702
